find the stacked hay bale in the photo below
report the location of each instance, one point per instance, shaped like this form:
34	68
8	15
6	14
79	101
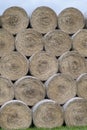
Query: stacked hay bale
43	68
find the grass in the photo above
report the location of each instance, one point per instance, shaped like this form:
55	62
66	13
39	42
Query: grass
59	128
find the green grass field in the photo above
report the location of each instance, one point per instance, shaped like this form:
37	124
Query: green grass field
60	128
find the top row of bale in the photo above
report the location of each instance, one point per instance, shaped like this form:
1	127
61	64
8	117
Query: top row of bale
43	19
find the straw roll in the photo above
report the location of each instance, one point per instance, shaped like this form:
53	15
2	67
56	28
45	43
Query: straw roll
43	19
43	65
15	115
29	41
47	114
57	42
76	112
72	63
70	20
61	88
15	19
30	90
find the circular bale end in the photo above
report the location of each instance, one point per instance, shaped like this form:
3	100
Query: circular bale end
29	42
15	19
61	88
70	20
30	90
15	115
76	112
72	63
47	114
43	19
43	65
57	42
14	65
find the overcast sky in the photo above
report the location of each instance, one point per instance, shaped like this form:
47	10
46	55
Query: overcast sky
57	5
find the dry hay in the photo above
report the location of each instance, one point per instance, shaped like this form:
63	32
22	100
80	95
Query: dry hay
47	114
80	42
72	63
70	20
29	41
61	88
82	86
15	115
43	19
6	90
76	112
43	65
30	90
57	42
6	42
15	19
13	65
29	55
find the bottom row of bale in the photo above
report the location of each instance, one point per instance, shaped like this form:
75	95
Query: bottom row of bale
54	103
47	113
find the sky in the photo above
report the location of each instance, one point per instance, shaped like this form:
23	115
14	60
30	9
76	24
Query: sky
56	5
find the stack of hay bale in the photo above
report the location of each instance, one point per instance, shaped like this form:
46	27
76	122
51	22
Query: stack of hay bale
43	68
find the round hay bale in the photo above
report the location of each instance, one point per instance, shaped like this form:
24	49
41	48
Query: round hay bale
57	42
30	90
43	19
72	63
47	114
80	42
14	65
6	42
82	85
76	112
70	20
15	115
43	65
15	19
29	41
61	88
6	90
